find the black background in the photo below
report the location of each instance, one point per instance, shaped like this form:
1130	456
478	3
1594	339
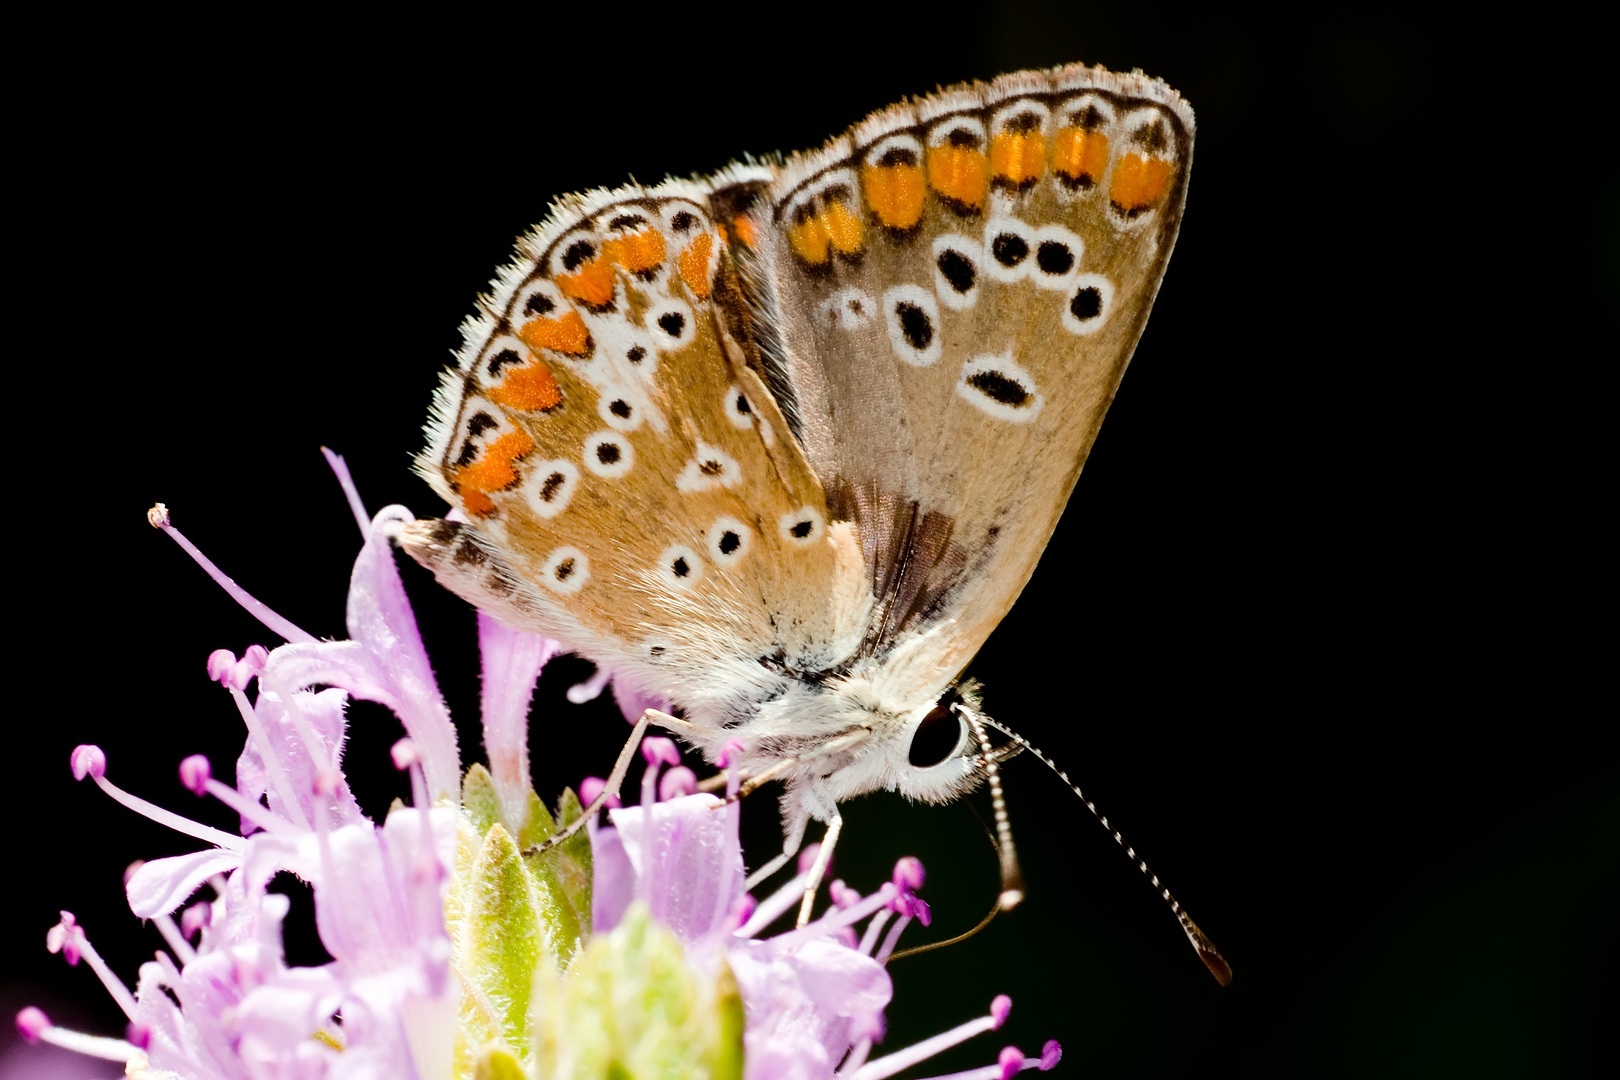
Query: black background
1321	630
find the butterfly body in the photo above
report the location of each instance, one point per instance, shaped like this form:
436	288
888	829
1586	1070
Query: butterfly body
784	445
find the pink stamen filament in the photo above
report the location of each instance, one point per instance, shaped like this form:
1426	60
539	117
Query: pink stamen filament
301	724
115	986
899	926
176	940
985	1072
171	974
206	833
874	928
96	1046
251	810
722	911
273	765
838	918
857	1058
890	1064
255	607
774	905
350	492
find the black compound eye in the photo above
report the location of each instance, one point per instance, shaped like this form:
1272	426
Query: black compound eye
937	738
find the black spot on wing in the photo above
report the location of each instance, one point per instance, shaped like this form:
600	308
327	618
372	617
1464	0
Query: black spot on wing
998	387
1087	303
1054	258
958	270
578	252
502	359
914	325
1009	249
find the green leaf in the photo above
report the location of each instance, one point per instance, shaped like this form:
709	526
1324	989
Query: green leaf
566	867
632	1006
509	919
728	1057
478	798
574	866
540	826
497	1063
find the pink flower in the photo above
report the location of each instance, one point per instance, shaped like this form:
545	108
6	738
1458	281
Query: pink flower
814	996
457	946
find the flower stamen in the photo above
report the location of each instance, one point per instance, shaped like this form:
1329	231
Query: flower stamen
158	518
69	938
36	1027
89	760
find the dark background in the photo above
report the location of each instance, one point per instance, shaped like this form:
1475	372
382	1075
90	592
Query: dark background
1321	630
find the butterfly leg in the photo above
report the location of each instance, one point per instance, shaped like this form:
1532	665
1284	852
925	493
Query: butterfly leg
819	869
792	838
615	780
672	723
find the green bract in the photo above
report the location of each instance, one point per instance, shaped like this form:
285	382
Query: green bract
540	998
633	1006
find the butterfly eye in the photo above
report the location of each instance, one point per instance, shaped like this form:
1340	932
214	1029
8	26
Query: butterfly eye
938	738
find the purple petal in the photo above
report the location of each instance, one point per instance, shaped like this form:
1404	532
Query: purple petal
162	885
695	862
512	663
613	880
289	754
381	620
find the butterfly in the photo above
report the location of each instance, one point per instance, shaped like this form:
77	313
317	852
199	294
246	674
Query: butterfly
784	444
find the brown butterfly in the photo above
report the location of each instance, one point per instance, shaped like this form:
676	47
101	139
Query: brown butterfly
783	445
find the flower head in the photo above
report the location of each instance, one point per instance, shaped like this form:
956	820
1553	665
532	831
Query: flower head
470	935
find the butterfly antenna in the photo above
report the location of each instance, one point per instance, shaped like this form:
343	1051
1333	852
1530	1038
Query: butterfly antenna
1012	878
1207	952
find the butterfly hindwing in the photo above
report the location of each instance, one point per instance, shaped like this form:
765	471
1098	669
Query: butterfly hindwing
954	289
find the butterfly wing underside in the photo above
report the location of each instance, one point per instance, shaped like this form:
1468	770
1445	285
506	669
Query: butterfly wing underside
800	414
626	486
950	294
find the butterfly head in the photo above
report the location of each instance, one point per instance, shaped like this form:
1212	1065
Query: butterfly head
841	740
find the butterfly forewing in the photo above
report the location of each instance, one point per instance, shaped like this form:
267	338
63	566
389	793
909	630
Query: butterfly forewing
628	487
958	285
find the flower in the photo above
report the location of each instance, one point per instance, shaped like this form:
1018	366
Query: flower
474	932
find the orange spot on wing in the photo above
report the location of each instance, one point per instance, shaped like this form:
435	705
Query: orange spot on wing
959	173
1139	182
528	388
694	263
593	283
638	252
493	471
810	242
1080	155
477	503
843	227
1018	157
895	193
566	334
834	228
744	228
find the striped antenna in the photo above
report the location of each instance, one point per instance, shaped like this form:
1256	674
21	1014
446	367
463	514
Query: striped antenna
1207	952
1012	878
